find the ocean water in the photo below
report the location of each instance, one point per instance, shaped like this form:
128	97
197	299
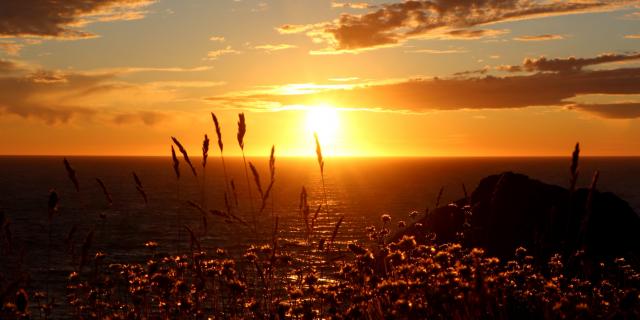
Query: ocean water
358	189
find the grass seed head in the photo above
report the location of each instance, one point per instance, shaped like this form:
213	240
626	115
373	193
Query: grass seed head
176	162
319	153
185	155
205	150
242	130
218	133
72	174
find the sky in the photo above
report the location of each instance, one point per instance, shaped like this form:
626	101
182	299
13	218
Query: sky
372	78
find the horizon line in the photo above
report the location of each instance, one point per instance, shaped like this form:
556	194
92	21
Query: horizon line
312	156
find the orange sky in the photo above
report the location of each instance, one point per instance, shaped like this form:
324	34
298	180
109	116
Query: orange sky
373	78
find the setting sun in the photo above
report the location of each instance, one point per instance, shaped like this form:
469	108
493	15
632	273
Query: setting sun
325	120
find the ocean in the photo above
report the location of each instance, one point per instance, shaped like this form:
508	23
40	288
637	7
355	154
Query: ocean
358	189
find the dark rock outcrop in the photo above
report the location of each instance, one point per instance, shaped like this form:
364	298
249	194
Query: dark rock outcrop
511	210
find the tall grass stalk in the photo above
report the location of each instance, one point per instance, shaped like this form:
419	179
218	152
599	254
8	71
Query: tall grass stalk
103	213
242	130
221	146
176	170
72	174
335	233
584	225
205	155
573	180
265	193
140	188
321	165
203	214
440	193
235	193
105	191
304	212
574	169
185	155
52	207
256	179
467	199
272	180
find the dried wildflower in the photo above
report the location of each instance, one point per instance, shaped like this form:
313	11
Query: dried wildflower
22	301
151	244
356	248
407	243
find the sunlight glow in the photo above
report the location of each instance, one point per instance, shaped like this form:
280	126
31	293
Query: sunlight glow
325	120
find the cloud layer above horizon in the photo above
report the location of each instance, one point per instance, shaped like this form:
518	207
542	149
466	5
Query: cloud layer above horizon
555	81
393	23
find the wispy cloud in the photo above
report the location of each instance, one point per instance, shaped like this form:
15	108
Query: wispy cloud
217	38
261	7
42	96
350	5
571	64
344	79
633	36
11	48
130	70
51	19
393	23
7	66
60	96
275	47
542	37
186	84
472	72
629	110
632	16
149	118
215	54
294	28
471	34
436	51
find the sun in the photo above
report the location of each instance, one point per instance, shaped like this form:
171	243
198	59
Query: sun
325	120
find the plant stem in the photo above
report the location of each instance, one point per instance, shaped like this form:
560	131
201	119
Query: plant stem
253	210
224	170
178	216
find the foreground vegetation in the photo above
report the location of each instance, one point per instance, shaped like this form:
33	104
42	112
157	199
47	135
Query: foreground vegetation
403	280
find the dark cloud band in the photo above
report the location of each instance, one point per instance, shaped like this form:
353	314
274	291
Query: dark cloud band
56	19
391	24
